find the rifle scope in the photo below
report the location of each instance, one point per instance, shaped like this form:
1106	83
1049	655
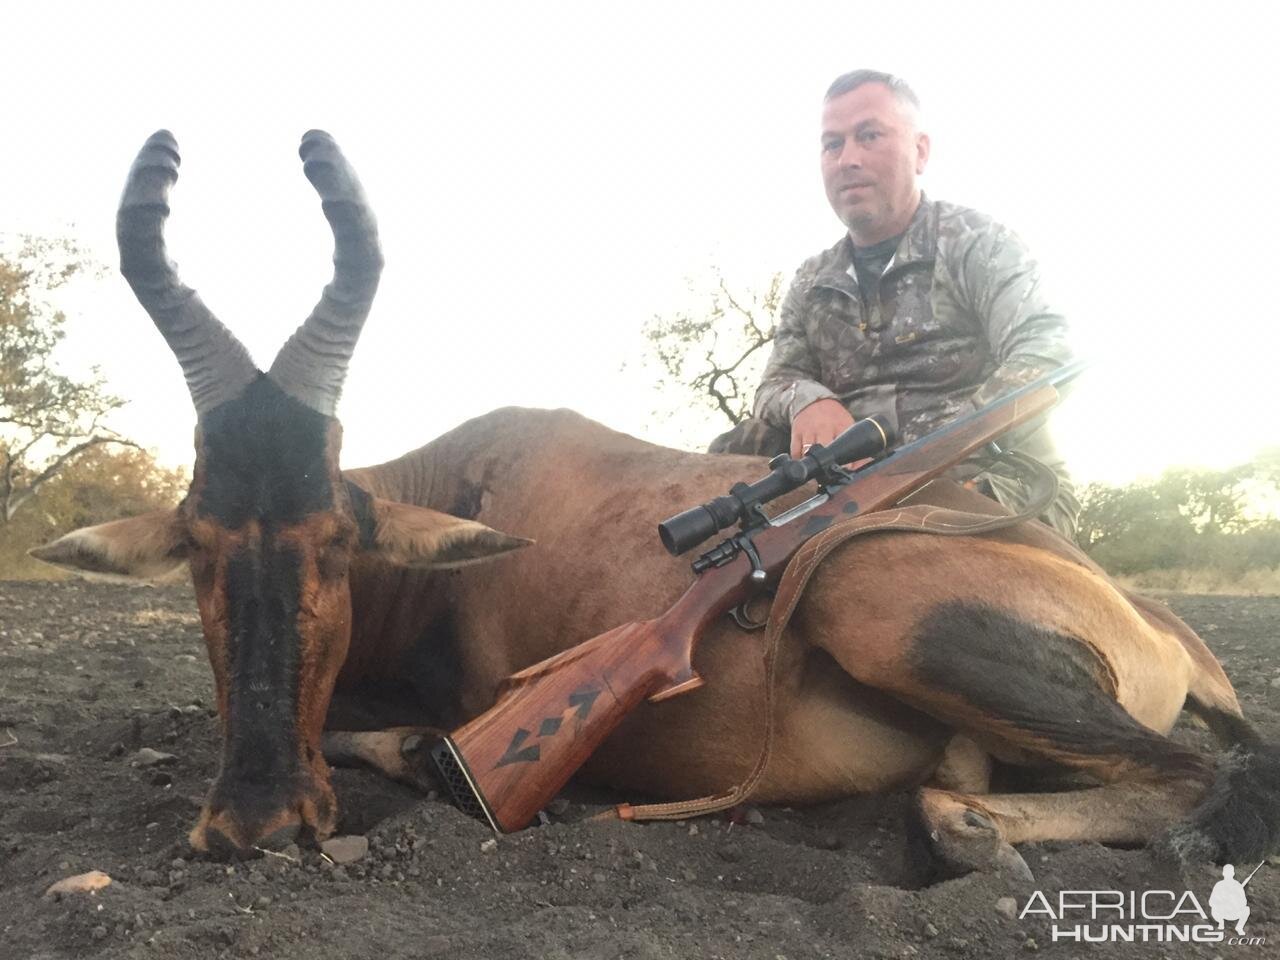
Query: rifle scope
866	438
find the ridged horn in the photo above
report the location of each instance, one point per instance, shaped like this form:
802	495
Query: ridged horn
215	363
313	362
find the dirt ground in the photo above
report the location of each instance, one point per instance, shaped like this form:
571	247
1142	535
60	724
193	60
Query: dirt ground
91	673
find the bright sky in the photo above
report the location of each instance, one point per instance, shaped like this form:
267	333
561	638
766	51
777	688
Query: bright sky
546	177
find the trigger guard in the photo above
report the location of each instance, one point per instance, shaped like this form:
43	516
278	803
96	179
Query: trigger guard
743	619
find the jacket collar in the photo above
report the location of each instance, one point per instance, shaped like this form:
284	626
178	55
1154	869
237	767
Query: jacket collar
919	244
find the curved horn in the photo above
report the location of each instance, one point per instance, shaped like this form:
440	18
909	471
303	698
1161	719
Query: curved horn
313	362
215	363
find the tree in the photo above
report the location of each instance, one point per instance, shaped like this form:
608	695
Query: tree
718	354
1185	518
105	484
1214	500
47	418
101	484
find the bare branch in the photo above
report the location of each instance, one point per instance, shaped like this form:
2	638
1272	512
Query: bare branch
51	470
715	353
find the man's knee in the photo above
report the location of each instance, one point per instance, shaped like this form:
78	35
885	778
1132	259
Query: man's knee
752	436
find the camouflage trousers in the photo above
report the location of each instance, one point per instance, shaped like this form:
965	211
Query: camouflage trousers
754	436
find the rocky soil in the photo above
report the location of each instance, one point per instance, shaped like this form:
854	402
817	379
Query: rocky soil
108	743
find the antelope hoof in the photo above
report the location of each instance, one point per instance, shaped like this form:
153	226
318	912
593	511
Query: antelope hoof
415	750
951	838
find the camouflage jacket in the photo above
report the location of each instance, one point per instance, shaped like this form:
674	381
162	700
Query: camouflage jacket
960	319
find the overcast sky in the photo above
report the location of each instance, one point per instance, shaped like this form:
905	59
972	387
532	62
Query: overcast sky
546	177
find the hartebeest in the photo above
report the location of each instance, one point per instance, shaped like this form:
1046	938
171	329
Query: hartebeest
913	660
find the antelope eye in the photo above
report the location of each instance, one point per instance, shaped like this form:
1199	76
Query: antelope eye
341	540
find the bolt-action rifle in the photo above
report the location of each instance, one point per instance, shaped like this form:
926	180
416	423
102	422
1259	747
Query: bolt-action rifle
509	762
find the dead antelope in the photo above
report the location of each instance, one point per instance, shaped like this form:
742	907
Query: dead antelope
913	660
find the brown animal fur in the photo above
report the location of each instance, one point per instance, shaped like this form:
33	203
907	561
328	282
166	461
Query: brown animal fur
591	499
857	711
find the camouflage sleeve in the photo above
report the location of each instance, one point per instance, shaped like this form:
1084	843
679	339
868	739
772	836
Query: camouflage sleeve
1027	337
790	379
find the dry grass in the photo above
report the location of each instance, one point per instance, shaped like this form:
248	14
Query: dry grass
16	565
1259	582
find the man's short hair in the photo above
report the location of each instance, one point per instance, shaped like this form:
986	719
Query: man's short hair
858	78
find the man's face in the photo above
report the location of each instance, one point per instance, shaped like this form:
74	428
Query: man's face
871	155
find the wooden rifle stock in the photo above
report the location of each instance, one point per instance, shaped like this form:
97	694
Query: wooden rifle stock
509	762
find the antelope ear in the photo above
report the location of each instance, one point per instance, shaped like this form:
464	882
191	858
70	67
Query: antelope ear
147	546
425	539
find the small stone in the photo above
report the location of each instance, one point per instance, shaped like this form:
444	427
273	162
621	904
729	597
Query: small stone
150	877
600	877
90	882
558	807
1030	944
930	930
1007	907
99	933
1275	681
728	853
262	903
829	840
754	816
693	829
489	845
146	757
346	849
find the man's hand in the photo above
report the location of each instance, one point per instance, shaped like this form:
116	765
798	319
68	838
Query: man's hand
819	422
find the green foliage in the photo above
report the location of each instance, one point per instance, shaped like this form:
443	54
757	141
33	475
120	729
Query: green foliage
47	418
715	356
1202	519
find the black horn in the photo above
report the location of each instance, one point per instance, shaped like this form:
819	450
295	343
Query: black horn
313	362
215	363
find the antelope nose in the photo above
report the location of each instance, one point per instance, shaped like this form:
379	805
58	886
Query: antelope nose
222	847
282	837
